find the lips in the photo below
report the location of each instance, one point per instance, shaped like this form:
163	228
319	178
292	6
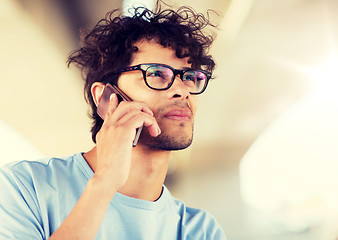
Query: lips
178	115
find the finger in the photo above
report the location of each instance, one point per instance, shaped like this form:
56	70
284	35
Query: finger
138	105
136	119
113	103
132	113
126	107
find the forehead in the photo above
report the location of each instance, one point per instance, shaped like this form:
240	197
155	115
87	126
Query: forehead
153	52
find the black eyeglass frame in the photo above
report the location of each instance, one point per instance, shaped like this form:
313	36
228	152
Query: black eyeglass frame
144	67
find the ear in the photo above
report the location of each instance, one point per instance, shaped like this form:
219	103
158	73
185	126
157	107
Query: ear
97	90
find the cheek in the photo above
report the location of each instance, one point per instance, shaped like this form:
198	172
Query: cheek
134	87
194	103
141	93
146	96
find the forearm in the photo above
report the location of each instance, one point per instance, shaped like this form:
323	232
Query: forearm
86	217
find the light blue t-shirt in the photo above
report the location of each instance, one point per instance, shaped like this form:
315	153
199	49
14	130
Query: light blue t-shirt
36	197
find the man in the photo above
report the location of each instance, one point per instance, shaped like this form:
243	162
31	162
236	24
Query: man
116	191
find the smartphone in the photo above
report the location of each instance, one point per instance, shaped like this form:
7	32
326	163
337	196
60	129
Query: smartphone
102	107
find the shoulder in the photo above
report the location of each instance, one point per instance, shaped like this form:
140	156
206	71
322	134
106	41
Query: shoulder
32	172
197	223
39	192
194	215
44	164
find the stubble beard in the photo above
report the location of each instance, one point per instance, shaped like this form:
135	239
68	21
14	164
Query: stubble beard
167	142
174	136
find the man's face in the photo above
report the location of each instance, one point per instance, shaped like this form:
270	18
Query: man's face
174	109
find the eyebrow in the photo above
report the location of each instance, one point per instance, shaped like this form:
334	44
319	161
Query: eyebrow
183	68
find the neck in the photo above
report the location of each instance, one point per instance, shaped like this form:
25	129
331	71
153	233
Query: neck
147	172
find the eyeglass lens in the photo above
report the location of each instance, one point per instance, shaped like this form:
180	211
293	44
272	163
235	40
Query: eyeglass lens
160	77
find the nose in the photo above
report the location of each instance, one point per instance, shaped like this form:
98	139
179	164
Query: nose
178	89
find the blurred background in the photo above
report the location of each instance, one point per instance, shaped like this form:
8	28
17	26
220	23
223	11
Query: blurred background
264	160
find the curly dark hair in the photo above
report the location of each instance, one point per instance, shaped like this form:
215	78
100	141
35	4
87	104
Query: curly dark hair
109	46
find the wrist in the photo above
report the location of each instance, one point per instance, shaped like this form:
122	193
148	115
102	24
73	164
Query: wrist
102	187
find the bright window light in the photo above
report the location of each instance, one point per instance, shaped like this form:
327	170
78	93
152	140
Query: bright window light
290	172
13	146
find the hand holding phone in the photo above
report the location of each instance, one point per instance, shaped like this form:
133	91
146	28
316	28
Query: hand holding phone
104	103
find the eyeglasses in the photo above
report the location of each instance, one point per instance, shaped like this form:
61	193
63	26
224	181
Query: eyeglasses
161	77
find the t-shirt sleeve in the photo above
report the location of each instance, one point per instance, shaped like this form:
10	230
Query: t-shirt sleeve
19	211
219	234
214	230
199	224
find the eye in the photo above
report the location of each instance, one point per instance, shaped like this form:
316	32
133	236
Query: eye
194	76
155	73
190	77
159	73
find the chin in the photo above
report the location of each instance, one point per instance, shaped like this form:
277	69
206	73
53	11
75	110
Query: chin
168	142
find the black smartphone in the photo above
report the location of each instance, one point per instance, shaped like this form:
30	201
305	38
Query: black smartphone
102	107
